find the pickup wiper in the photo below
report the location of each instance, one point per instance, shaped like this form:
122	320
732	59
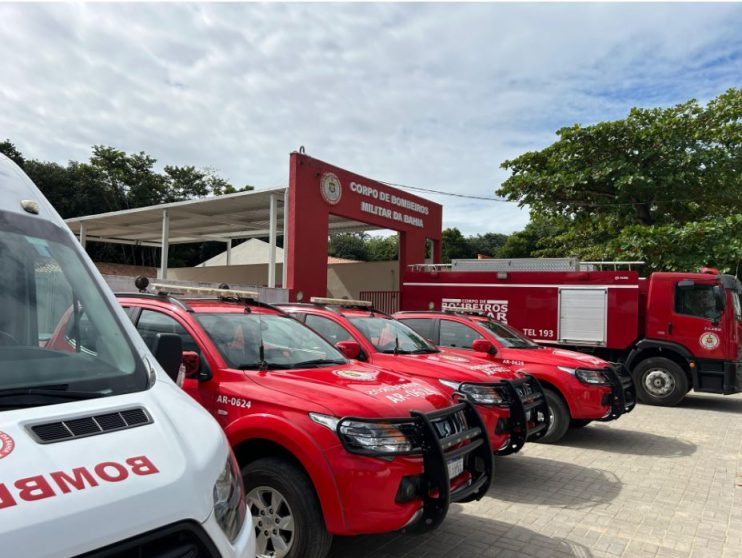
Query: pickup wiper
317	362
424	351
263	365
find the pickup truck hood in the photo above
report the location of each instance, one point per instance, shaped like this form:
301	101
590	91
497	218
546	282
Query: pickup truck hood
551	357
446	366
356	389
73	496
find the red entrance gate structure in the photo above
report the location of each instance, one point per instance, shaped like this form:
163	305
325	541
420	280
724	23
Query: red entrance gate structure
318	190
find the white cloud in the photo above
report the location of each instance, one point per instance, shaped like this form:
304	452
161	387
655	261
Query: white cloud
427	95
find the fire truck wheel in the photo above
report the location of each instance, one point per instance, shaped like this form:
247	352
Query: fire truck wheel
660	381
579	423
559	415
285	511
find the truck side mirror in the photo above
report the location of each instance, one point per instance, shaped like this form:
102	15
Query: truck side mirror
484	346
350	349
192	363
168	350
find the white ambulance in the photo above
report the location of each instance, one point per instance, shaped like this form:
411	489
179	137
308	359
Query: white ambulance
101	454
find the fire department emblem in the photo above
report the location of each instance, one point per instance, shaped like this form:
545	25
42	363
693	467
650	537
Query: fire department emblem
6	444
358	375
452	358
330	188
709	341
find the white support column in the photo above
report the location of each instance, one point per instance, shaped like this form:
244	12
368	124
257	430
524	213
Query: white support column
285	274
229	252
83	235
272	241
164	244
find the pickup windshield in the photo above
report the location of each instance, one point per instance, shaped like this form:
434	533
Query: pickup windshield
509	338
267	341
52	349
391	336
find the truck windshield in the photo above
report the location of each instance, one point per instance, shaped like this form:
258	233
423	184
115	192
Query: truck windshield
509	338
391	336
53	346
267	341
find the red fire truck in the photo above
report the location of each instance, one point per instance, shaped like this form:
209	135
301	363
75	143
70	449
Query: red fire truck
674	331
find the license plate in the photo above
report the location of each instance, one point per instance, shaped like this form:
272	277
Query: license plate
455	467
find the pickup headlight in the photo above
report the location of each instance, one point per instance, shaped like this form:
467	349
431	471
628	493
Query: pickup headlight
229	499
594	377
372	437
478	393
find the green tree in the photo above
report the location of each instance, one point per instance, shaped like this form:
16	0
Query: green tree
11	151
652	173
352	246
488	244
383	248
454	245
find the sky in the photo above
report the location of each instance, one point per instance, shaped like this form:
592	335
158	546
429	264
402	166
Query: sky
429	95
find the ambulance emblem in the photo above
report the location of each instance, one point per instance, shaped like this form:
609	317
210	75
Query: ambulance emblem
6	444
330	188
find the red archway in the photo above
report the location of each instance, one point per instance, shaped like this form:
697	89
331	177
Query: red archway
318	190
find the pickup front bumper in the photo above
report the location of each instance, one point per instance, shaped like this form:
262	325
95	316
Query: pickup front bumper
529	413
622	397
457	465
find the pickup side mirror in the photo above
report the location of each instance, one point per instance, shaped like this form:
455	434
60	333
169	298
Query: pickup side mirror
350	349
484	346
168	350
192	364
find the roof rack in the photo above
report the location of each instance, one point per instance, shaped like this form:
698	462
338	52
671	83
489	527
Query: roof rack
220	292
223	293
346	302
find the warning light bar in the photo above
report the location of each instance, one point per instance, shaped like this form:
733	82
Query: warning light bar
209	291
463	310
341	301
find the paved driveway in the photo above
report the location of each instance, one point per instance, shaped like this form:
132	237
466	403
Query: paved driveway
658	482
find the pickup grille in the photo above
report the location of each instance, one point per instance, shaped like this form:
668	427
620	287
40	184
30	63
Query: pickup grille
82	427
450	425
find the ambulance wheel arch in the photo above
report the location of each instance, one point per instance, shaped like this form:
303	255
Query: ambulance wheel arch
277	438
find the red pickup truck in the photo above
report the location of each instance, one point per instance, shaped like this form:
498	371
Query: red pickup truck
579	388
512	404
326	445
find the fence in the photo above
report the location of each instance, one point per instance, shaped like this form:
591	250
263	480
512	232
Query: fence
386	301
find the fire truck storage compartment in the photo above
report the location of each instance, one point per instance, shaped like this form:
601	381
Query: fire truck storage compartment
583	316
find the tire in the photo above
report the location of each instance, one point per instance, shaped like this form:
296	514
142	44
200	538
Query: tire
274	480
579	423
660	381
560	419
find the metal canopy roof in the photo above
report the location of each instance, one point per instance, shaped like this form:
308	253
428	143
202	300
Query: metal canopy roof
220	218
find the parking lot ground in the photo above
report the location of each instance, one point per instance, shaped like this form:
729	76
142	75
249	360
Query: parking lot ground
658	482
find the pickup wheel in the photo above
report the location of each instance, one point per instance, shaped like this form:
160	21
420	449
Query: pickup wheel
285	511
579	423
559	415
660	381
